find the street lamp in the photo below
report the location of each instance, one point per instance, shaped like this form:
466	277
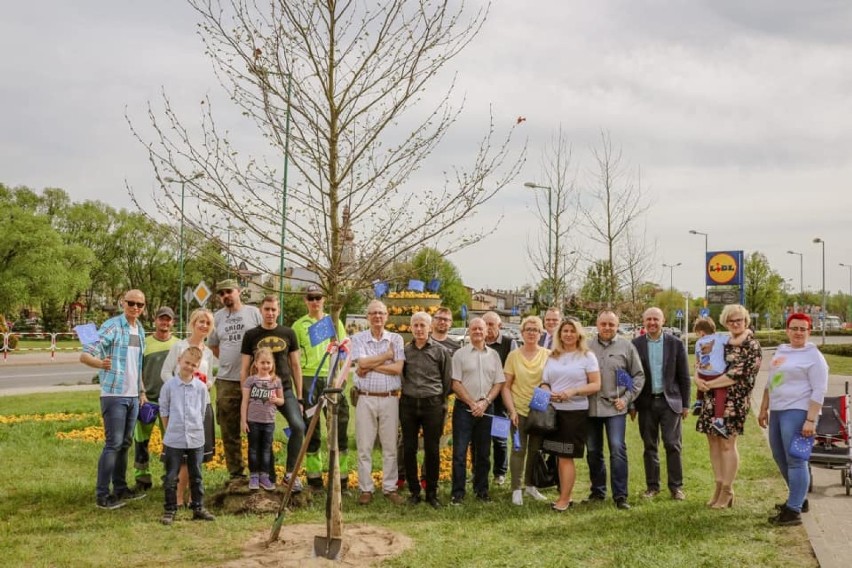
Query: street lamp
671	268
704	262
824	298
849	308
182	181
549	189
801	274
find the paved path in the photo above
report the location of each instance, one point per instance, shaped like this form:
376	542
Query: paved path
830	518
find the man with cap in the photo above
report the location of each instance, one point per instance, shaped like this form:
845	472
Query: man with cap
231	323
311	356
157	348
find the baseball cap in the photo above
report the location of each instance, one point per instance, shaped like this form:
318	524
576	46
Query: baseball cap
227	284
165	311
314	290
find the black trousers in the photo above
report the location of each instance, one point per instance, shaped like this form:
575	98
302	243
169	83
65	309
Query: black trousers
656	420
427	414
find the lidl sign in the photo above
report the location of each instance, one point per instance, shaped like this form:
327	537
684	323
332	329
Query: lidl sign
724	268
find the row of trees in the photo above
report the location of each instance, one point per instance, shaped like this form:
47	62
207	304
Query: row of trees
70	259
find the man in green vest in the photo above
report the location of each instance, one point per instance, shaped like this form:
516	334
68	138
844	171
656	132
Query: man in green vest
311	356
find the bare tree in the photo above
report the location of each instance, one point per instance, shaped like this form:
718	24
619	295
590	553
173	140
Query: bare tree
639	259
552	255
336	89
615	203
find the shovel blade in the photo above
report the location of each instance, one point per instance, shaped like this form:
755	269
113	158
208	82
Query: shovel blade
327	547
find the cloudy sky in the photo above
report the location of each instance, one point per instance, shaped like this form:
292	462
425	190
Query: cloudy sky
738	114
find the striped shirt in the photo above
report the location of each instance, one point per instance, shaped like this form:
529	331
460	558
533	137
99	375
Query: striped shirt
365	345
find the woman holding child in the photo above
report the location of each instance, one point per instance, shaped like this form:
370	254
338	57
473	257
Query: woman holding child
743	358
571	374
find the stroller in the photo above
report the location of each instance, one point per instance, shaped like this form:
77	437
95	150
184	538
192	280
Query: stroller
832	449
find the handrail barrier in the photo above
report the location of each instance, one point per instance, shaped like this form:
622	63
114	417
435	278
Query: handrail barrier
52	348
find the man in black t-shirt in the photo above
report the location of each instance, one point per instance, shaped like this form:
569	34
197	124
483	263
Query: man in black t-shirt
281	340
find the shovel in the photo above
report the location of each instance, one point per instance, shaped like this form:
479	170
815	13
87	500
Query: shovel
330	545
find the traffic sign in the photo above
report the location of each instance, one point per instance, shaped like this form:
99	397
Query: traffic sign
704	312
464	312
201	293
679	314
187	294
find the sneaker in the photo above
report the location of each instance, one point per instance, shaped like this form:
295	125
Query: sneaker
651	493
110	503
678	495
433	501
202	514
168	517
394	498
297	485
130	495
457	500
254	482
517	497
786	518
805	506
696	407
621	503
500	480
266	483
534	493
718	425
365	498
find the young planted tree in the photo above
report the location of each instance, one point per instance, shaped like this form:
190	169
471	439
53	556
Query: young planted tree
339	92
613	205
553	256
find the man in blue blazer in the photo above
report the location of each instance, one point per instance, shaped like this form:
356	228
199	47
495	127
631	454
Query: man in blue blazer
663	402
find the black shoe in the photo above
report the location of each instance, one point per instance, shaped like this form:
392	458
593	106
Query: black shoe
414	499
594	498
786	518
805	506
168	517
457	500
202	514
130	495
621	503
433	501
142	486
484	497
110	503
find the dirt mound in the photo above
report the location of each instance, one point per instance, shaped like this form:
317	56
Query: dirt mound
363	545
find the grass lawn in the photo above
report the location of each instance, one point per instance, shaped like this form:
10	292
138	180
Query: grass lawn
49	517
839	365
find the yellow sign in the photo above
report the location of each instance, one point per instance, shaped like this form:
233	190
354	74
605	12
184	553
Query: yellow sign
722	268
202	293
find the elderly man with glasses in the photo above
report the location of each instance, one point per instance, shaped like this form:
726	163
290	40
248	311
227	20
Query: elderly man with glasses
230	324
117	354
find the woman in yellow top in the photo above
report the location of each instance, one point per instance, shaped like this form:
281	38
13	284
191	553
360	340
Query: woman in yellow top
523	370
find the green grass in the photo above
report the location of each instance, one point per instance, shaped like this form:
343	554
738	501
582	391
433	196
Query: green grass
49	517
839	365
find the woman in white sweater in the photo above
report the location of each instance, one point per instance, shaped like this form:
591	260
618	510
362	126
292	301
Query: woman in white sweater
795	389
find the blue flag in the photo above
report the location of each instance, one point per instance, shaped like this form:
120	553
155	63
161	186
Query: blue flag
623	379
540	399
380	288
433	285
500	427
320	331
416	285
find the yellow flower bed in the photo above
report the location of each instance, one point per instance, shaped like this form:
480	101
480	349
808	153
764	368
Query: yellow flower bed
53	417
411	294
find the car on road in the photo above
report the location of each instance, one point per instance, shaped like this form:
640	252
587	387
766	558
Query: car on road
459	334
673	330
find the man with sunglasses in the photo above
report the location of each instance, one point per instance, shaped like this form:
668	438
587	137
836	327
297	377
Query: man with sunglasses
118	357
311	357
230	324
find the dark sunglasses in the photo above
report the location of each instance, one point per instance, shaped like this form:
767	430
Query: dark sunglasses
133	304
225	292
314	298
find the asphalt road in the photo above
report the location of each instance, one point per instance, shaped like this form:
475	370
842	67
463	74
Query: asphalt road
44	375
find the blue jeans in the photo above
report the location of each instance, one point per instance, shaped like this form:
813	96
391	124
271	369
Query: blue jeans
615	427
260	436
291	412
783	427
119	415
469	431
174	459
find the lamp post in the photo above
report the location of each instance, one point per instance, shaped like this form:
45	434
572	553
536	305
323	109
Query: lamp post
704	262
549	189
849	303
671	268
801	275
182	181
284	203
824	298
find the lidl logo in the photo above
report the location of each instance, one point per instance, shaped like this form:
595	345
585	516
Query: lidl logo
722	268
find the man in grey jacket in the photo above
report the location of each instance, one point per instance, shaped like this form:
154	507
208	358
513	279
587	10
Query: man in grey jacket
608	408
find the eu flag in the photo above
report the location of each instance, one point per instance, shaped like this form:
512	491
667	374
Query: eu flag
416	285
623	379
320	331
380	288
433	285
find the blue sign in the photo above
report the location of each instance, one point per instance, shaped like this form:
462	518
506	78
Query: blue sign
679	314
514	310
704	312
464	311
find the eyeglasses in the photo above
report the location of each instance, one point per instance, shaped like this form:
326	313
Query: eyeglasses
531	330
376	313
313	298
738	320
799	329
133	304
442	318
225	292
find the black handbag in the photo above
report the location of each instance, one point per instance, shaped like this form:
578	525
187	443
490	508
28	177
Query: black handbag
545	472
541	421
